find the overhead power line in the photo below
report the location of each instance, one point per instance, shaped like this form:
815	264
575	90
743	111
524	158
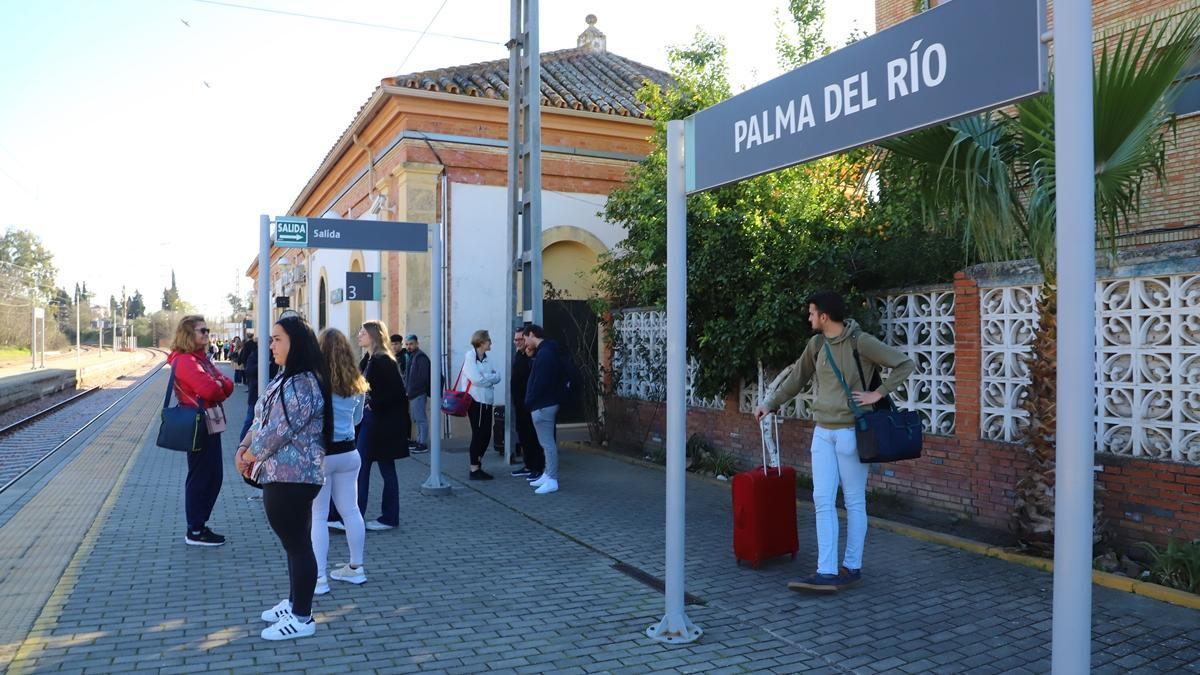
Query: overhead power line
421	36
351	22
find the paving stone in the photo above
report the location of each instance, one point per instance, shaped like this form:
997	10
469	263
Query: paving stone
533	590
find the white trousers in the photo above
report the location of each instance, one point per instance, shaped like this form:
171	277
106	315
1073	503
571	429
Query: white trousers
834	462
341	482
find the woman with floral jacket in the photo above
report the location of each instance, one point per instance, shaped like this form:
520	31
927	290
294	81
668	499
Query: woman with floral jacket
285	452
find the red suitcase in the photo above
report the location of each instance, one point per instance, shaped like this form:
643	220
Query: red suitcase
764	514
764	507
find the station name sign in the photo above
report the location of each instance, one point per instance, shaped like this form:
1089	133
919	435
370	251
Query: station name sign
954	60
335	233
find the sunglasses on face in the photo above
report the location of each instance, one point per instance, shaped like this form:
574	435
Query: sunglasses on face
202	331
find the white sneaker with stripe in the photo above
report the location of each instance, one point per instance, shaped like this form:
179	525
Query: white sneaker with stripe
289	628
284	608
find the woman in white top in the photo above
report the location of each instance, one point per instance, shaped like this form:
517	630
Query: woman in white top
479	379
342	463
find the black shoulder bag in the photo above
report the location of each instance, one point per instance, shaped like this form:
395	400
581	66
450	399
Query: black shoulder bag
886	434
180	426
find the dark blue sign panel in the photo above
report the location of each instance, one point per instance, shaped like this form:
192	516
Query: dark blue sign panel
956	59
363	286
372	235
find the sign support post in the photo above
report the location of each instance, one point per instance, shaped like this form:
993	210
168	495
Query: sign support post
434	484
264	300
1075	232
675	627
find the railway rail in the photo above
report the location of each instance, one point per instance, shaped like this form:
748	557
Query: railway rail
18	458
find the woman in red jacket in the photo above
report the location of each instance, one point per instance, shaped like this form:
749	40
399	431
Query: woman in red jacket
198	380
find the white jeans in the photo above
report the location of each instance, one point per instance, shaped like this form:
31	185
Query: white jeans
834	461
341	479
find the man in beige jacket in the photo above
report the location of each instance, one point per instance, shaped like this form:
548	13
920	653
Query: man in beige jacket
834	450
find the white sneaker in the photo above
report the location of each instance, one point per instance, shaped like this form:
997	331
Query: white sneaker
349	574
378	526
546	488
322	586
288	628
284	608
336	525
540	481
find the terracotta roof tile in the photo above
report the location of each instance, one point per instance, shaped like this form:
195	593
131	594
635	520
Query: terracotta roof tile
576	79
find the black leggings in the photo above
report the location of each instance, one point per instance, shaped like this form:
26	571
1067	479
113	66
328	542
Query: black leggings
480	415
289	511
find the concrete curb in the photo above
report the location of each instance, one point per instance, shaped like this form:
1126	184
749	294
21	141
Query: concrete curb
1105	579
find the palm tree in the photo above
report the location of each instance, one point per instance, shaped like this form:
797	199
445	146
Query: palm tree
992	178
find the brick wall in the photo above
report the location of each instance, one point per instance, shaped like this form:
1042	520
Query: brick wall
1173	205
960	474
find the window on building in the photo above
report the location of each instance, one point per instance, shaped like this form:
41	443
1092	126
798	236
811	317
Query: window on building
1188	99
322	307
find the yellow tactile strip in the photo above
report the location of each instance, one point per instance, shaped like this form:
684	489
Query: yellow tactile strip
43	545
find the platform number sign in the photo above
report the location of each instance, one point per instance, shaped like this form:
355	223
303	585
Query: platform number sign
362	286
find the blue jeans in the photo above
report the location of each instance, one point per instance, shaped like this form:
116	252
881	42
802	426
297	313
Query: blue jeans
387	468
543	423
834	461
416	410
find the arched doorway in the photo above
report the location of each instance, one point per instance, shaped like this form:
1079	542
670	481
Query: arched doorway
322	305
569	255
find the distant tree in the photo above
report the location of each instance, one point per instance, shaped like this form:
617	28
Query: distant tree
25	263
171	301
137	306
238	305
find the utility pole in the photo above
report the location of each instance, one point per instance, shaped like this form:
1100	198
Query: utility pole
78	339
524	185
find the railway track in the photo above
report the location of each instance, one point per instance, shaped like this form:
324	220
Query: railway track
28	442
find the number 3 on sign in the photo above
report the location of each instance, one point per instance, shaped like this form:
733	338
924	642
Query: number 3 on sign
351	292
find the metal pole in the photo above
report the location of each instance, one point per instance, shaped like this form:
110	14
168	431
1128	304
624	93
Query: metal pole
264	300
78	340
1076	251
533	124
514	207
434	485
675	626
32	333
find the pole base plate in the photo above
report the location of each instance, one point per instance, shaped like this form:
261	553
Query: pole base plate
668	631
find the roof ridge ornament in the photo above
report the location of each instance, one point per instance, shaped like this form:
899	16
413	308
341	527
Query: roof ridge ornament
591	40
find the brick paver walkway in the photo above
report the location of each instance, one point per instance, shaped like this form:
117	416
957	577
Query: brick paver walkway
495	578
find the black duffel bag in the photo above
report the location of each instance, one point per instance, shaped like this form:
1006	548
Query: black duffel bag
886	434
181	427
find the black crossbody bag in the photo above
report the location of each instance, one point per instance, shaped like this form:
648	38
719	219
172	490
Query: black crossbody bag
886	434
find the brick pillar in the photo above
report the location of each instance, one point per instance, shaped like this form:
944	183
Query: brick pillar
967	355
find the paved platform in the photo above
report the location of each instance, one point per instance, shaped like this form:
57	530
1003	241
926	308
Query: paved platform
495	578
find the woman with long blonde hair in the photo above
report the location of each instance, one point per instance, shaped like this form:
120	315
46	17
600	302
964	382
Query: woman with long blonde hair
199	384
342	463
383	435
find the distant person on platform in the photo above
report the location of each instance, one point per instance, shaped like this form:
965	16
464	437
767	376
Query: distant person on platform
416	383
531	450
397	342
549	383
198	380
478	378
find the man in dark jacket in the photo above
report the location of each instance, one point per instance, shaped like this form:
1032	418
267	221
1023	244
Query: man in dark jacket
531	450
416	382
248	357
546	391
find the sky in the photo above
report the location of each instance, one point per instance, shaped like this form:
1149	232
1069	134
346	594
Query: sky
141	137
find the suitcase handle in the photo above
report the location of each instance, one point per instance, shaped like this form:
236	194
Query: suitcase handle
768	429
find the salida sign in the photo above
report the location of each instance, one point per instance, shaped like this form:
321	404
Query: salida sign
960	58
377	235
